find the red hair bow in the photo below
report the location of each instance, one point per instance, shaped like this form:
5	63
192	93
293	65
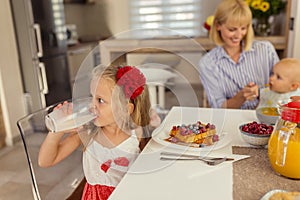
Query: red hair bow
132	80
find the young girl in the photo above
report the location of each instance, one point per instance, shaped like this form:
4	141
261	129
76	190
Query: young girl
122	105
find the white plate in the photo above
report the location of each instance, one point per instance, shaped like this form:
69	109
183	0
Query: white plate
270	193
224	139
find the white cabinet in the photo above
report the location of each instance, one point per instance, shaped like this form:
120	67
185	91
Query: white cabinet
75	58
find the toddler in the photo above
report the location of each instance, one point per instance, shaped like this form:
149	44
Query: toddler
284	83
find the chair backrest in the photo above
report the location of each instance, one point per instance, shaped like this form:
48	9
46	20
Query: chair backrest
59	181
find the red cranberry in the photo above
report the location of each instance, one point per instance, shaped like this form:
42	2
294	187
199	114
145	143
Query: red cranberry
256	128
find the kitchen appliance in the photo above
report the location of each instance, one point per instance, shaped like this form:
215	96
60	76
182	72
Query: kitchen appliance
41	37
72	36
284	143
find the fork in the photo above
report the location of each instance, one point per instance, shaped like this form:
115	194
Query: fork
212	161
165	153
179	156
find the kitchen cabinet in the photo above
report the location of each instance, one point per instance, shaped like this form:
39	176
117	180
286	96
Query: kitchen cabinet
76	56
80	1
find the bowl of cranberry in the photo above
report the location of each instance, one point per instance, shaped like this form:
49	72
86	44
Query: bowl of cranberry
255	133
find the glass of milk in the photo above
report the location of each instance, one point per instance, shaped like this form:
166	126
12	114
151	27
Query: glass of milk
71	115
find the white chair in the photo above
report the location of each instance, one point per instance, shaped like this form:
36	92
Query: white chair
58	182
157	77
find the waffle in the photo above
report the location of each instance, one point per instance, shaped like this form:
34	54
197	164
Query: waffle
197	133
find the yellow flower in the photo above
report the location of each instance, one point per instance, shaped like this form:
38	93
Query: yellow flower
256	4
264	6
248	2
210	20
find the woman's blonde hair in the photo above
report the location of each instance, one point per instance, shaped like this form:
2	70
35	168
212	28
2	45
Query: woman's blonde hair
235	12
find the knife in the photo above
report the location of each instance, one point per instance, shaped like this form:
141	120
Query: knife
164	153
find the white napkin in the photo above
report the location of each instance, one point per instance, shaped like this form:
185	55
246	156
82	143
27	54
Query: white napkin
209	169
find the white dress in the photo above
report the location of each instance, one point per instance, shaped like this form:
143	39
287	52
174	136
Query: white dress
106	166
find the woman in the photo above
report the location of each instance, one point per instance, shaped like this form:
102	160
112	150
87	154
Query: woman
232	72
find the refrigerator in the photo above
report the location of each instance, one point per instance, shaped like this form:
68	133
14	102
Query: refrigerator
42	44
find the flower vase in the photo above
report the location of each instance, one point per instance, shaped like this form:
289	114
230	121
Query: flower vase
262	27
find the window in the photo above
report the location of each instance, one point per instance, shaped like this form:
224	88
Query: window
156	18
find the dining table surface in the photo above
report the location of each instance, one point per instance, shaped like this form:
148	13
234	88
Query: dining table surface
149	177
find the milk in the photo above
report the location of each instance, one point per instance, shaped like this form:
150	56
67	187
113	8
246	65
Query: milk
67	118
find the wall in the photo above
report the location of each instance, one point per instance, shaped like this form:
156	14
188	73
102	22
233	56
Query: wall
118	16
112	16
296	35
2	130
11	92
103	18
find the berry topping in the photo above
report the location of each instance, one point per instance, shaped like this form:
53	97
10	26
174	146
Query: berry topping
215	138
256	128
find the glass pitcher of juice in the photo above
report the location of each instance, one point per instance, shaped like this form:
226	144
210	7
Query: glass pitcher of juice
284	143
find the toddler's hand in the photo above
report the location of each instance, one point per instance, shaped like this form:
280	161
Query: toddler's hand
295	98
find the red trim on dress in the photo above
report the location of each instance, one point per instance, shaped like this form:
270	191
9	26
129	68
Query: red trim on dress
96	192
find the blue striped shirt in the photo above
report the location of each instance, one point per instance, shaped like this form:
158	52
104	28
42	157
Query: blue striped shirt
222	78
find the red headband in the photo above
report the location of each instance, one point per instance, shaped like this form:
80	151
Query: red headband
131	80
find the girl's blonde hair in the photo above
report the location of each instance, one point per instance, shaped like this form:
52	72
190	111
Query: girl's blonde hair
140	117
235	12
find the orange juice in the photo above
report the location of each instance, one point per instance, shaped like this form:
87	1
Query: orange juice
291	167
271	111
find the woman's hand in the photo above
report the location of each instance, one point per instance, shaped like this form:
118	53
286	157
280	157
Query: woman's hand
250	91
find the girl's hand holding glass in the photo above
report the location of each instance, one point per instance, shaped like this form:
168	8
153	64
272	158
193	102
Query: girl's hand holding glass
70	115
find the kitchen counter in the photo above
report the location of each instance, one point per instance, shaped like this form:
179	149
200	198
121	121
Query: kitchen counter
113	48
247	175
79	53
82	45
278	42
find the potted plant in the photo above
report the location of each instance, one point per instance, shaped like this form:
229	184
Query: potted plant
263	12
